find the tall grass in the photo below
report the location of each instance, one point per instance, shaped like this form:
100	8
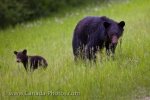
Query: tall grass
125	78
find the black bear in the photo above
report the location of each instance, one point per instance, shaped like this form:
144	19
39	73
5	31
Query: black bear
33	61
93	33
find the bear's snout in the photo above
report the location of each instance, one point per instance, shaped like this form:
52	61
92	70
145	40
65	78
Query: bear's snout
114	40
18	60
113	44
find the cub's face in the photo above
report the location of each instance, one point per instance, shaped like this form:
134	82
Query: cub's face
21	56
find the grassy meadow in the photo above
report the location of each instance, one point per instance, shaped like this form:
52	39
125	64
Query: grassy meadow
125	78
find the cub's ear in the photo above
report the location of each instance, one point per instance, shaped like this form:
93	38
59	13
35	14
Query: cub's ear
24	51
106	24
15	52
121	24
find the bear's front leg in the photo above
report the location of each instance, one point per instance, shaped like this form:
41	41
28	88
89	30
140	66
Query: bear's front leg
108	51
112	48
25	66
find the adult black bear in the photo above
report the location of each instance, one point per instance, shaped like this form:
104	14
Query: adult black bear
94	33
33	61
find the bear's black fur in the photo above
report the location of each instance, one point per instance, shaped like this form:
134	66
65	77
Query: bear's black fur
94	33
33	61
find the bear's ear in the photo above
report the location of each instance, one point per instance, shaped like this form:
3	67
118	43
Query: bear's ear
15	52
24	51
121	24
106	24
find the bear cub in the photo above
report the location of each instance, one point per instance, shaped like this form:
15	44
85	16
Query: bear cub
33	61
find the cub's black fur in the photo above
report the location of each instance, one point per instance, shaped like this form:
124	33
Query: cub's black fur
33	61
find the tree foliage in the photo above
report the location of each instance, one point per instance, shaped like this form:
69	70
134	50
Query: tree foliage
17	11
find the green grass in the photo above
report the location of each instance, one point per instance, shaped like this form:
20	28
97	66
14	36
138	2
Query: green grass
125	78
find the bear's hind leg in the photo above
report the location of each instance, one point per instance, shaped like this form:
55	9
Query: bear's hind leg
90	52
78	49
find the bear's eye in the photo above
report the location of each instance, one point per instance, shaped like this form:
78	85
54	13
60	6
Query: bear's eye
118	35
112	34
